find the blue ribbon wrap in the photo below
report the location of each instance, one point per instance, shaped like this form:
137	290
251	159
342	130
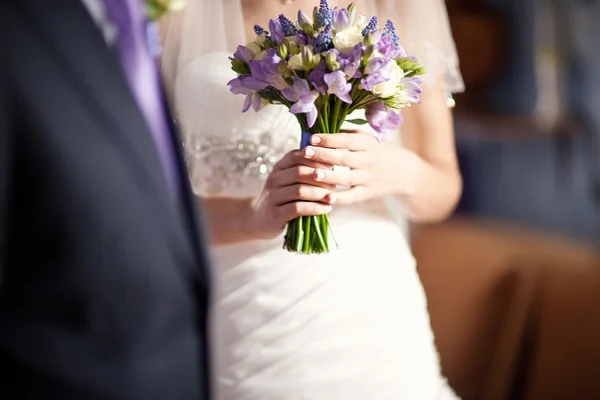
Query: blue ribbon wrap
305	141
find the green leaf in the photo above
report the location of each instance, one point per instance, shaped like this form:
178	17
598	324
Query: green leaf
358	121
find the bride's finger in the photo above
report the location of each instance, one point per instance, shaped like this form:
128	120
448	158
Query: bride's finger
354	195
299	174
299	192
296	157
289	211
353	177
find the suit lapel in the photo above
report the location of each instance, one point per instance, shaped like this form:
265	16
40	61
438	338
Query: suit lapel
96	72
189	199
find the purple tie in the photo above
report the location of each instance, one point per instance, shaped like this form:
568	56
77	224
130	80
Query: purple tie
141	71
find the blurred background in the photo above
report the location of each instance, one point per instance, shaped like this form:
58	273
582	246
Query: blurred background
528	126
513	278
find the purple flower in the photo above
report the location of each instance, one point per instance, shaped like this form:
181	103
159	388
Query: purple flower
244	54
350	63
376	73
388	48
259	30
338	85
382	118
288	27
265	73
303	38
324	40
371	27
276	29
304	100
253	99
390	31
324	14
412	87
341	19
317	78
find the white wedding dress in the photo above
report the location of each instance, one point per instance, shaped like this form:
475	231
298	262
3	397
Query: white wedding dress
349	325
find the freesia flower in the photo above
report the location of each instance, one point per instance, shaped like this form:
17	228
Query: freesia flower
411	88
345	41
317	78
277	34
376	71
253	99
304	39
341	19
338	86
388	48
350	63
305	22
244	54
265	73
382	118
303	99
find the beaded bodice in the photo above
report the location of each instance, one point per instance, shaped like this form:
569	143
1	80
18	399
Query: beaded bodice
229	153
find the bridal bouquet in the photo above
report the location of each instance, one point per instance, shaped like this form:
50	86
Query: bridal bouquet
323	69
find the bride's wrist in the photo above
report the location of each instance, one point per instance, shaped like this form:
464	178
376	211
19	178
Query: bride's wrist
246	221
411	170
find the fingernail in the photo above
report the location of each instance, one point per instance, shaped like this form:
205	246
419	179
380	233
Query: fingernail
309	152
319	174
315	139
332	199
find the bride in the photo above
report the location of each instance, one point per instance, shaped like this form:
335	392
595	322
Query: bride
351	324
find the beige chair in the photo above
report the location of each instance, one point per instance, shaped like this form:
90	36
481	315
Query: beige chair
483	285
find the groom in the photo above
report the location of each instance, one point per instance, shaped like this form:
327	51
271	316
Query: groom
103	284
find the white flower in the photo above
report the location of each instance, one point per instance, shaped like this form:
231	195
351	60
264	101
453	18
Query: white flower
261	56
260	39
345	41
254	48
361	22
295	62
390	87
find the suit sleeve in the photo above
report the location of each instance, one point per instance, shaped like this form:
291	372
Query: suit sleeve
5	173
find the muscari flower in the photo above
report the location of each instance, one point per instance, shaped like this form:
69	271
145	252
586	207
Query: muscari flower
324	14
338	85
304	100
288	27
371	27
390	31
259	31
324	39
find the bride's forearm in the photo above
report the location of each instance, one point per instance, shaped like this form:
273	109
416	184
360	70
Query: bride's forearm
226	218
434	192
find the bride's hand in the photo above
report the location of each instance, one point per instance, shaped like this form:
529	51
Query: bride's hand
374	169
291	190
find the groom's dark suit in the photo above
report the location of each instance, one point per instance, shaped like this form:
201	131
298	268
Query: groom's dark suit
103	287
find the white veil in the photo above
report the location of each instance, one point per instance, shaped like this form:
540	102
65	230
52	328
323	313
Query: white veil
206	26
